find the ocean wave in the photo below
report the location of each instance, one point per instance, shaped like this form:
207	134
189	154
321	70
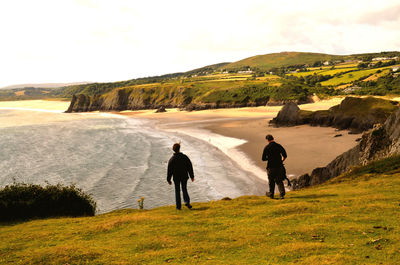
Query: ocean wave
116	160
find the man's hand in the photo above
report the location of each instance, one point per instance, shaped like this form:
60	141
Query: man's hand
170	182
288	182
192	179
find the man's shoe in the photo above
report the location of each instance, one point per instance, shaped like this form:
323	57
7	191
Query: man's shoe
178	208
268	194
188	205
281	197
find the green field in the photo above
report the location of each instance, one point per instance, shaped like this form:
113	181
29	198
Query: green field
325	71
354	219
352	76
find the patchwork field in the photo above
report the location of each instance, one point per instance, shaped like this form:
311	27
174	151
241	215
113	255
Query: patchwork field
352	76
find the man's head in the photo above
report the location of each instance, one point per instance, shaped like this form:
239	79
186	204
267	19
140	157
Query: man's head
176	147
269	137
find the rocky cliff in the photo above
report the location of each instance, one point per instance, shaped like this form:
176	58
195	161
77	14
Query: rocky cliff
355	114
118	101
129	99
190	96
383	140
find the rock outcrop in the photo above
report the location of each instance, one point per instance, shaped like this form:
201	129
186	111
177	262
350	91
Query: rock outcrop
289	115
161	109
355	114
381	141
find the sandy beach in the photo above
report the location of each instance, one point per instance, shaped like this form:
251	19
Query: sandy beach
53	110
307	147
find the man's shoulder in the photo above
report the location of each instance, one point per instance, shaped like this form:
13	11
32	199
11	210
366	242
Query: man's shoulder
185	156
179	156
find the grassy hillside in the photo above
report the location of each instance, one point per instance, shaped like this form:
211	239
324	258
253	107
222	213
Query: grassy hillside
268	61
323	74
353	219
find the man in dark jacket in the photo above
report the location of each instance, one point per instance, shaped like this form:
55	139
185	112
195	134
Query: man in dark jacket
180	168
275	154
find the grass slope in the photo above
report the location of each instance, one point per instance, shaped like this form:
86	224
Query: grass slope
351	221
268	61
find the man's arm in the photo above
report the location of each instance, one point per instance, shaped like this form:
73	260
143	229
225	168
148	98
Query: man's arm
264	155
283	153
169	171
190	168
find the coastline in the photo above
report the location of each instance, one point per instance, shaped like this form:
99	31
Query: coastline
222	142
240	134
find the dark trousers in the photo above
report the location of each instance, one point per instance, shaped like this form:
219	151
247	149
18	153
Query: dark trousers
186	199
276	176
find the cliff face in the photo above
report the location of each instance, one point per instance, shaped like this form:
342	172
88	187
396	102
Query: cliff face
121	101
189	96
380	142
355	114
128	99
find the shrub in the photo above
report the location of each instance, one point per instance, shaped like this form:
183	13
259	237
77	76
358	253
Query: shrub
25	201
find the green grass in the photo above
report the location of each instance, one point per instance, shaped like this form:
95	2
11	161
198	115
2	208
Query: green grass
359	107
354	221
352	76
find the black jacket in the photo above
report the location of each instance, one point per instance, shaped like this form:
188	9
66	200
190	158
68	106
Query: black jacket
179	166
273	153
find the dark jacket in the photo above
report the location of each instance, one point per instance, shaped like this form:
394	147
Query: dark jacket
179	166
273	153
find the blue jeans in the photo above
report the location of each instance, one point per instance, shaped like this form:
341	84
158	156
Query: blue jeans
186	199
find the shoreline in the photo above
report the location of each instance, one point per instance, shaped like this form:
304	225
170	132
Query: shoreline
306	145
239	133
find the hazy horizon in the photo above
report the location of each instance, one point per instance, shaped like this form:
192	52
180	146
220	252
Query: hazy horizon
103	41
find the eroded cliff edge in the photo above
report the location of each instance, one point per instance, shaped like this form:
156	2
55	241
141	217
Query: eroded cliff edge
354	114
382	141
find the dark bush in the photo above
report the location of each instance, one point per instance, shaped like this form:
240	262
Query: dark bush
25	201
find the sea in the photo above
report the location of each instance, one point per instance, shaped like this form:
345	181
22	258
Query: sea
117	159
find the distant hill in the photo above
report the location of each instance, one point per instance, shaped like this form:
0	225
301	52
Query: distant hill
268	61
273	78
44	85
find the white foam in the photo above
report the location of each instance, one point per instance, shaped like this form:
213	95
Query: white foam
101	114
30	109
228	145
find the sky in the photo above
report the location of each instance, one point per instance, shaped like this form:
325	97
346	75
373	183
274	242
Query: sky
112	40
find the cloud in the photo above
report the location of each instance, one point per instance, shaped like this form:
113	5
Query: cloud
387	15
101	40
